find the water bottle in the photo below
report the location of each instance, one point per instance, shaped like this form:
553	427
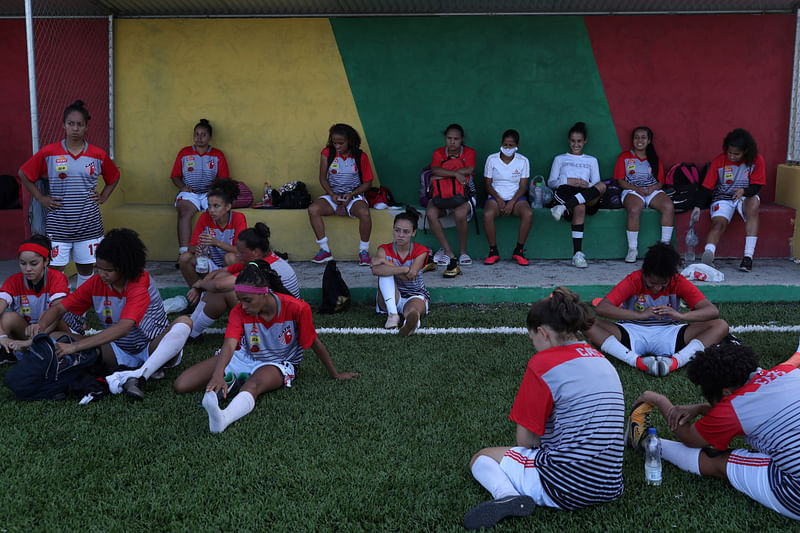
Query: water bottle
538	193
202	265
691	238
652	458
266	200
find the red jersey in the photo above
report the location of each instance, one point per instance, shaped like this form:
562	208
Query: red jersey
637	171
281	267
22	299
724	176
631	293
205	224
198	171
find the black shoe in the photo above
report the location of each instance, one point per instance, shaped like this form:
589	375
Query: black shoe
134	388
452	269
487	514
746	265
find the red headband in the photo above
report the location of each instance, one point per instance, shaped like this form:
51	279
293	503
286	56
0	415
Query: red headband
35	248
252	290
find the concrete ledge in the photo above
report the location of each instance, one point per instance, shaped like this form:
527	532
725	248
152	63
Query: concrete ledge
787	192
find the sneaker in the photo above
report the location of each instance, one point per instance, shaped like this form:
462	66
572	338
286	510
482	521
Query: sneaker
323	256
233	384
7	357
440	258
746	265
430	266
630	257
492	258
158	374
487	514
392	321
464	260
638	422
665	364
558	211
410	325
579	260
363	259
519	256
452	269
134	388
708	258
655	365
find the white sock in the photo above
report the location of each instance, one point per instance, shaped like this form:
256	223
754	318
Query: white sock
386	284
633	239
183	249
686	353
750	246
169	347
685	458
218	419
363	246
488	473
577	235
323	244
666	234
580	199
612	346
83	279
200	320
711	248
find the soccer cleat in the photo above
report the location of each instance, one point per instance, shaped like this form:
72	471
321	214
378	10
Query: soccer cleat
558	211
708	258
630	257
441	258
464	260
664	364
430	266
488	514
492	258
410	325
638	422
518	255
363	258
746	265
7	357
579	260
134	388
323	256
452	269
392	321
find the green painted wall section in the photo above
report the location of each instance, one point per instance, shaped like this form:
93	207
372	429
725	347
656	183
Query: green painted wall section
411	77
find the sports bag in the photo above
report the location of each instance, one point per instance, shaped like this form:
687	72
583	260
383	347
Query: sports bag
292	195
681	185
379	197
448	193
245	198
335	293
41	375
612	198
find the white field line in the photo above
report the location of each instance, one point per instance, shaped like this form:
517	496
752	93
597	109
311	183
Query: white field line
499	330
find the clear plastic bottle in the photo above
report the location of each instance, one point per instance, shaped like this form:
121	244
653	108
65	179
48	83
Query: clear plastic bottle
691	238
267	198
202	265
652	458
538	192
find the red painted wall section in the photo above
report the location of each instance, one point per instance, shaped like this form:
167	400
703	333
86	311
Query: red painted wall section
14	104
693	78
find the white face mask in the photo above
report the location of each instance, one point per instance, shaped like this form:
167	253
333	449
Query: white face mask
508	152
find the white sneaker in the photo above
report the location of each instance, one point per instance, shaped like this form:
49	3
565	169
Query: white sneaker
630	257
392	321
708	258
558	211
440	258
579	260
464	259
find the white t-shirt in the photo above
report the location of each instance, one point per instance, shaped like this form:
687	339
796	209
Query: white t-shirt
506	177
573	166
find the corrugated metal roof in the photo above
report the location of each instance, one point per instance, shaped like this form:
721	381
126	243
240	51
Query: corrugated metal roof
286	8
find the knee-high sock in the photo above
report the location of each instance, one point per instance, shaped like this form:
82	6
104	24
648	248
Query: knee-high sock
168	348
685	458
200	320
633	239
612	346
577	238
387	286
488	473
687	352
750	246
219	419
666	234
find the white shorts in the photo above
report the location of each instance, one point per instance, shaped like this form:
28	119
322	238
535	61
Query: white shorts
748	472
354	199
726	208
646	199
518	465
135	360
242	363
198	199
656	340
82	252
401	303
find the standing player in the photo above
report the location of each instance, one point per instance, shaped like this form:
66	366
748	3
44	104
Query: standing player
734	179
640	175
569	415
72	166
575	178
646	306
743	399
195	168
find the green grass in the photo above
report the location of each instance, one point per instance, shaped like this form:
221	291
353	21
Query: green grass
386	451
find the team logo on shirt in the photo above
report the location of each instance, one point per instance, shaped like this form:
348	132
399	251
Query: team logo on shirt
91	168
630	166
190	163
255	340
211	165
727	175
25	308
286	335
107	312
61	164
641	303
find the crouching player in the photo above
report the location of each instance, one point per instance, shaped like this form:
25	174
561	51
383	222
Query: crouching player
648	334
569	415
761	405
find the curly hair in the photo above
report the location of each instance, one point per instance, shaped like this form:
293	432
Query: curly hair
224	188
256	237
349	133
125	250
741	138
722	366
563	311
661	260
258	273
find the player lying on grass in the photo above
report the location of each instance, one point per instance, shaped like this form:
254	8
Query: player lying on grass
743	399
265	338
569	415
648	333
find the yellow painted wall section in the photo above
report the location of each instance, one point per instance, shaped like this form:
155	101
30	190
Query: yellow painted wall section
787	192
271	88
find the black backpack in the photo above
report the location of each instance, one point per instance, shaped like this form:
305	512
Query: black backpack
292	195
335	293
681	185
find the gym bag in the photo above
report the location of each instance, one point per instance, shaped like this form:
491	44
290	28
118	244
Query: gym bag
335	293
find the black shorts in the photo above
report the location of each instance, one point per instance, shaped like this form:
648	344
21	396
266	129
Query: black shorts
565	192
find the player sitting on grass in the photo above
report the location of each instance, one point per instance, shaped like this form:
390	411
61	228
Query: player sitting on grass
569	415
646	305
743	399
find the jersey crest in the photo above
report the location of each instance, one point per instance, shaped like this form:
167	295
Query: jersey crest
286	335
641	303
